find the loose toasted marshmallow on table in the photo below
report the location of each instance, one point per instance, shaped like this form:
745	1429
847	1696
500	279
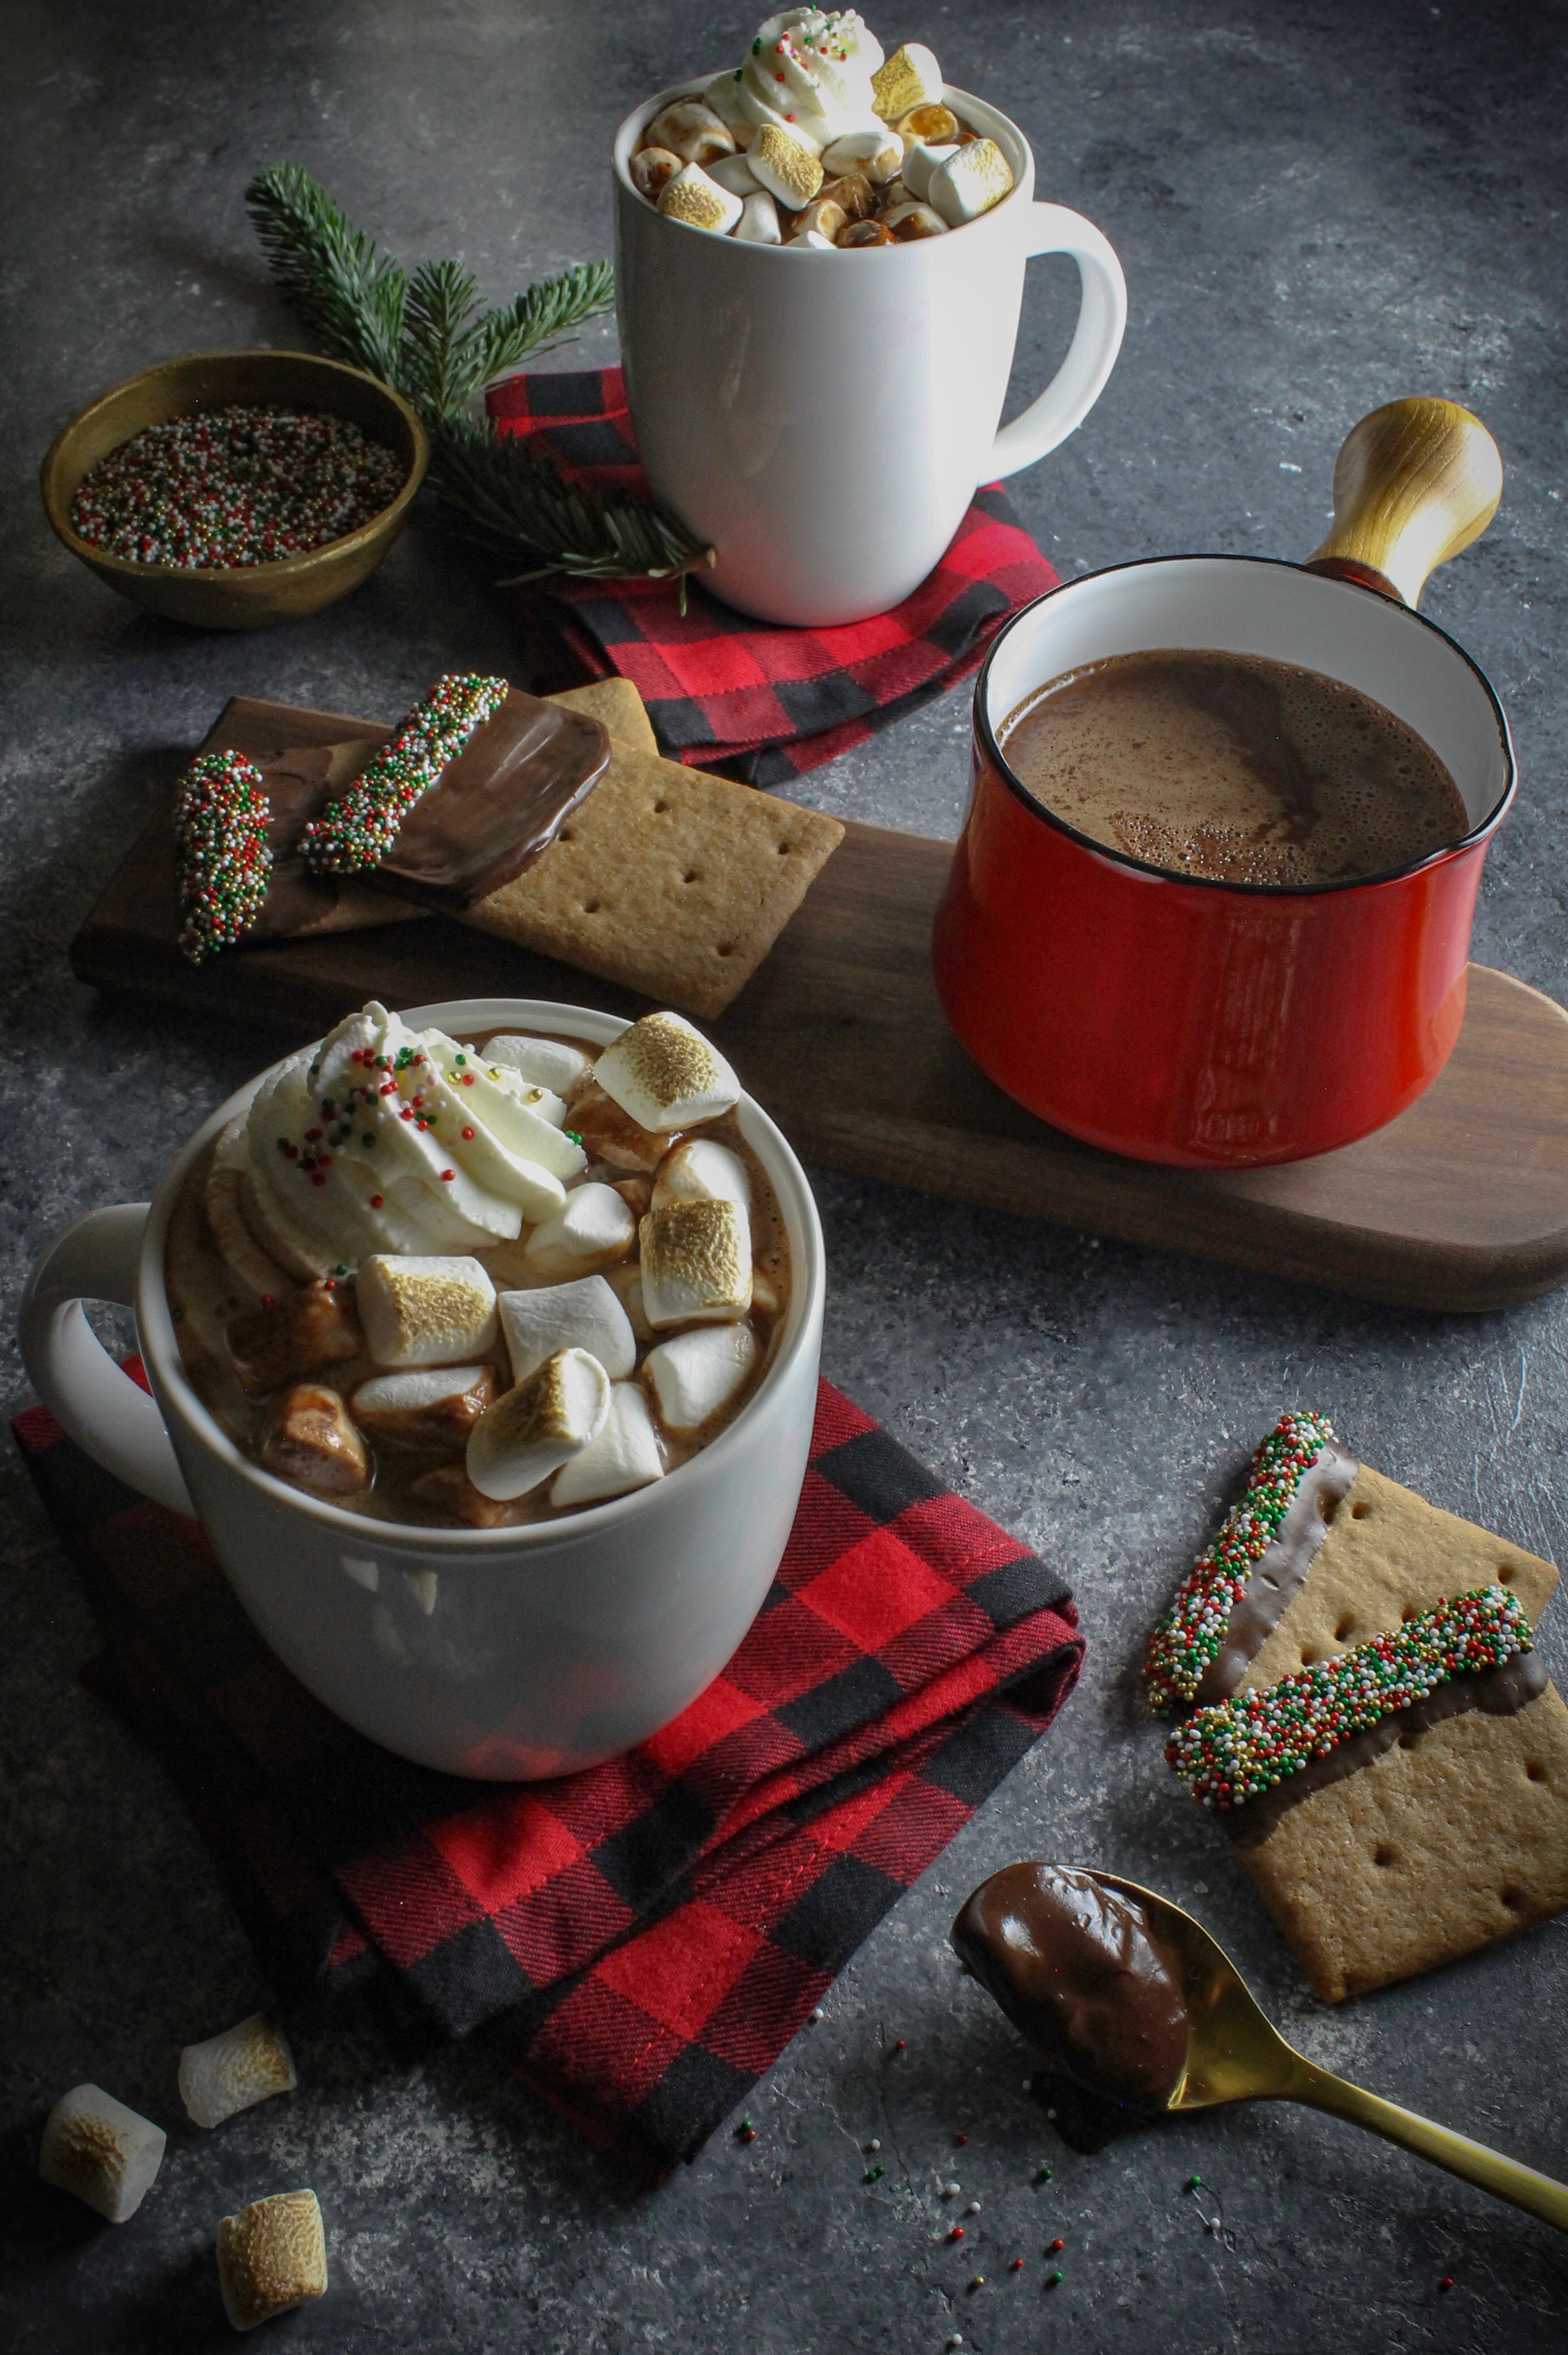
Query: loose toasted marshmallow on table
534	1429
734	173
789	173
542	1062
271	2256
689	128
665	1074
652	170
247	2064
968	183
625	1456
310	1441
697	1263
701	1170
698	1373
758	221
586	1315
590	1234
877	153
920	163
429	1406
692	198
910	77
101	2152
425	1311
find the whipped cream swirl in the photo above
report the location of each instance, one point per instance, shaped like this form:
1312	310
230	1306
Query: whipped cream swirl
809	70
388	1139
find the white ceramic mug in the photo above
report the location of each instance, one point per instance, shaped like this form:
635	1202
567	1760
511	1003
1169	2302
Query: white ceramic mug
506	1654
823	419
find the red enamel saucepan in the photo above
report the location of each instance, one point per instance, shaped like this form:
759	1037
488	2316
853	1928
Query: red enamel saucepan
1223	1025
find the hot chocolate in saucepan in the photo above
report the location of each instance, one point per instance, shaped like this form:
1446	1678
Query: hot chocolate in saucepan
1232	767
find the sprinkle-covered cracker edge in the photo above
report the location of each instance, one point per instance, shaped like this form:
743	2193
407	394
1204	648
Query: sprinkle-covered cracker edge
221	858
359	829
1191	1633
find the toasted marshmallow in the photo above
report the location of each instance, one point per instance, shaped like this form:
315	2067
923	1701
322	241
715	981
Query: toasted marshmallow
104	2153
689	128
536	1427
627	1283
425	1311
428	1407
665	1074
625	1456
692	198
270	2257
697	1263
823	217
590	1233
758	221
652	170
449	1492
698	1373
701	1171
581	1316
311	1442
969	183
247	2064
812	237
542	1062
788	170
877	153
920	162
292	1334
910	77
908	222
935	125
734	173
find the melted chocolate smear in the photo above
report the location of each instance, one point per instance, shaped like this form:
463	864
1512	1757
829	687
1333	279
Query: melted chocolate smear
1279	1572
1500	1691
1078	1970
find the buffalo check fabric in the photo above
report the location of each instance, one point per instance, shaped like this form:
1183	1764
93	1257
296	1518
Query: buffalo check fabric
642	1939
764	701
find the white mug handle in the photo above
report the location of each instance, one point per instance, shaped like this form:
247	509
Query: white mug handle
1092	355
102	1408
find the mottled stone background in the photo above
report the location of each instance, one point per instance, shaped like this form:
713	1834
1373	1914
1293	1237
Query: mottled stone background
1320	204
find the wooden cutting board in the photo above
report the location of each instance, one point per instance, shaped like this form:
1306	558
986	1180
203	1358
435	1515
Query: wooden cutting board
1461	1203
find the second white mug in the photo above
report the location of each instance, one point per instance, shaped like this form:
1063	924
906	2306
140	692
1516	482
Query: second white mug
824	418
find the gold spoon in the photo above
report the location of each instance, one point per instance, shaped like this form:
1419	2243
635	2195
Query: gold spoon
1234	2054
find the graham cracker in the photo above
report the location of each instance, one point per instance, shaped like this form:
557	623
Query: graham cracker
667	879
1457	1835
616	703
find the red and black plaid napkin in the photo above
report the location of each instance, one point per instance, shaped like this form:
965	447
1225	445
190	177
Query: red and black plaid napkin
645	1937
764	700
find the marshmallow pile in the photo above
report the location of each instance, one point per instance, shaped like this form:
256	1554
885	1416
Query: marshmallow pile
599	1328
819	139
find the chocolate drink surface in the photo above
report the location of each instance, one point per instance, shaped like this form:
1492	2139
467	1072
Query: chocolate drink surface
1233	767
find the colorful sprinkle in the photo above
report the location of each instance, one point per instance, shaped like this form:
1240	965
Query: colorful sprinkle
222	861
1189	1635
1246	1746
360	830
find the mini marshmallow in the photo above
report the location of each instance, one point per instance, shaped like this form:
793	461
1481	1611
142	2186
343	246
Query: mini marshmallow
764	1293
812	237
758	221
625	1456
588	1234
864	233
627	1283
543	1063
734	173
697	1263
690	129
104	2153
929	126
581	1316
664	1074
692	198
969	183
702	1171
429	1406
851	191
652	170
910	221
698	1373
920	163
311	1442
877	153
910	77
825	216
787	170
535	1428
425	1311
270	2257
247	2064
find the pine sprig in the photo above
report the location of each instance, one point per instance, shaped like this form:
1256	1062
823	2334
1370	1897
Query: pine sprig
426	336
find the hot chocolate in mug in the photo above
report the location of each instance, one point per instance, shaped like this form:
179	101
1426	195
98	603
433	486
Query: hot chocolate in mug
824	418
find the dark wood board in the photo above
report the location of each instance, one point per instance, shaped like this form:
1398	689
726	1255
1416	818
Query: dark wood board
1461	1203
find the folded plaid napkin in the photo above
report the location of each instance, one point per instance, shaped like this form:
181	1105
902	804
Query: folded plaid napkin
764	700
643	1938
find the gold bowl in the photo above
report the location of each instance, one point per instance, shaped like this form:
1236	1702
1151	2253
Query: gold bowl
250	596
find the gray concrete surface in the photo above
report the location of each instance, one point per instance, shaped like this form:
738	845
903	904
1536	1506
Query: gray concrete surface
1320	204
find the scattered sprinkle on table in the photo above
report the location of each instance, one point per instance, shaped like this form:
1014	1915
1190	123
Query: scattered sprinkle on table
230	487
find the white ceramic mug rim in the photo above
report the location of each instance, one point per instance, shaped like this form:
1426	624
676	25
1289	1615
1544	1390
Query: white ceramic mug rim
1021	161
156	1332
1483	828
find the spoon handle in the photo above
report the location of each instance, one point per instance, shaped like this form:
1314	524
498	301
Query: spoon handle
1505	2179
